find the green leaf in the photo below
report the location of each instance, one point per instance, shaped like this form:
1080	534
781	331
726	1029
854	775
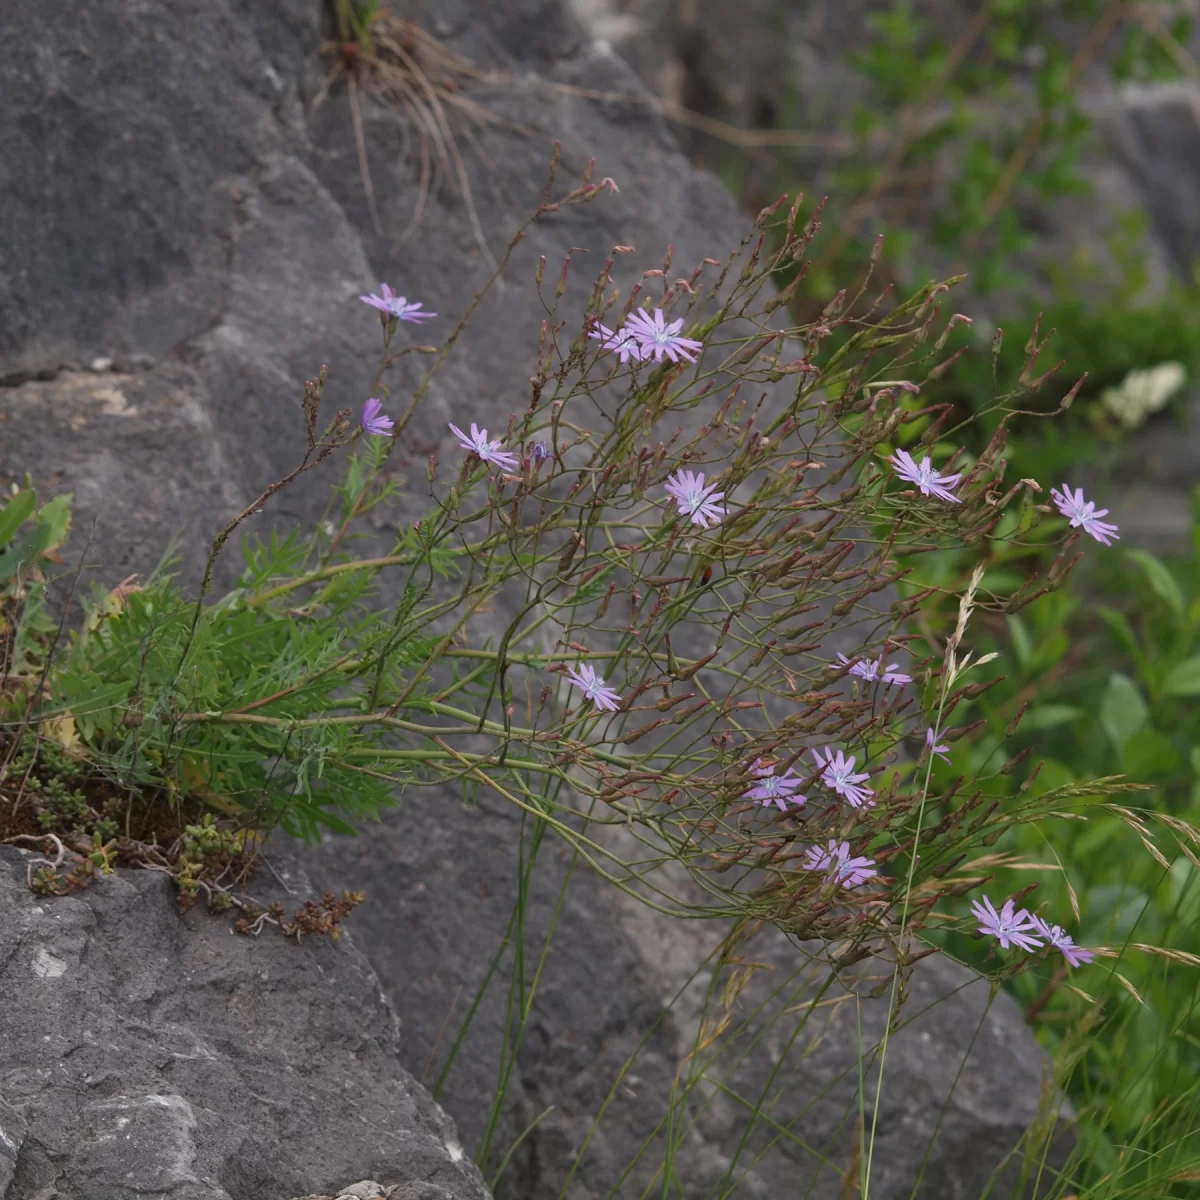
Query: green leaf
54	521
1165	585
1049	716
1123	711
12	559
1119	626
1003	583
49	530
1095	835
1149	753
1052	649
1183	679
1022	643
14	514
1122	906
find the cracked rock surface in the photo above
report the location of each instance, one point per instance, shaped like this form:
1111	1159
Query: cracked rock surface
147	1055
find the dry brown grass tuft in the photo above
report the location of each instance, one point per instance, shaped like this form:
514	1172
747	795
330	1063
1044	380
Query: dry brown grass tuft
404	67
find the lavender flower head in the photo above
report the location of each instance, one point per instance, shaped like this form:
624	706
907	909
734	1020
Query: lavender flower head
838	775
622	343
836	862
656	338
1016	928
593	686
540	451
941	751
489	452
1058	937
1072	506
869	671
928	481
780	790
392	305
694	499
373	421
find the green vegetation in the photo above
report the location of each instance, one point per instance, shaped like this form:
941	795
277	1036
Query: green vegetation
986	118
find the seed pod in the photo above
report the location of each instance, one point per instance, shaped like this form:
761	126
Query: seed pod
569	553
642	730
835	305
1069	398
672	664
1011	727
603	609
688	672
1016	760
761	653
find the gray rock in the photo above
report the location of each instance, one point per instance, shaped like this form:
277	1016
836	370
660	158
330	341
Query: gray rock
366	1189
13	1128
241	278
142	1054
1153	132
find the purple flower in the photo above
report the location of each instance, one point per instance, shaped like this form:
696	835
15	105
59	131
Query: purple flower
941	751
392	305
1012	928
836	861
1058	937
657	338
1078	513
478	443
838	774
780	790
925	477
869	671
373	421
622	343
694	499
541	451
593	685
